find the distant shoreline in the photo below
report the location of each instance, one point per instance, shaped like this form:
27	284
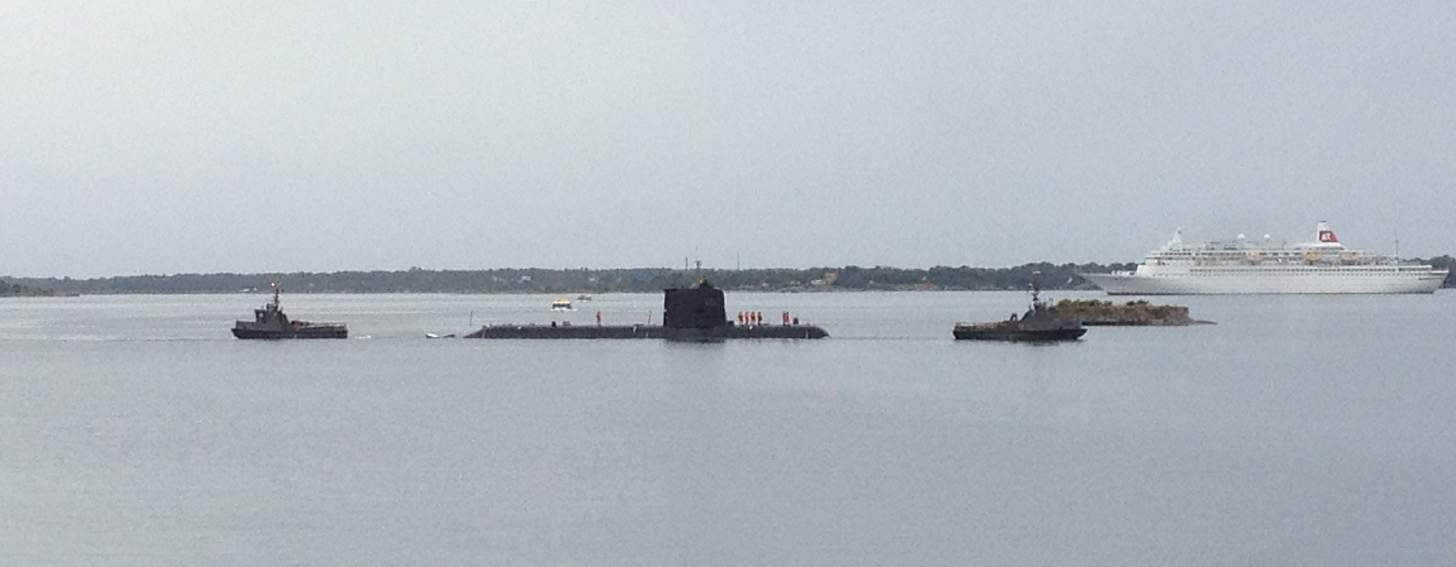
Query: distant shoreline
584	281
592	281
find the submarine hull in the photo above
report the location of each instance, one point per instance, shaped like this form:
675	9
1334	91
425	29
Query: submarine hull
647	332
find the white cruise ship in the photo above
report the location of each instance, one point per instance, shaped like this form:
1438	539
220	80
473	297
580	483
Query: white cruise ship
1242	267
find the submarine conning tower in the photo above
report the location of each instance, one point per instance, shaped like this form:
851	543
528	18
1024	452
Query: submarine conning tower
697	307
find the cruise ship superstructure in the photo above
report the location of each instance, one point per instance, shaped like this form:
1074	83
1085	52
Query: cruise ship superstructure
1242	267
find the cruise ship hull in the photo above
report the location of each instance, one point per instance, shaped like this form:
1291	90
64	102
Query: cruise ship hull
1328	281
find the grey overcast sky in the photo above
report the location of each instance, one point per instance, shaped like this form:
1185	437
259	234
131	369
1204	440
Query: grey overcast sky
188	136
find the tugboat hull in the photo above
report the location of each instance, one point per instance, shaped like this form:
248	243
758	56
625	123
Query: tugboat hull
268	334
967	333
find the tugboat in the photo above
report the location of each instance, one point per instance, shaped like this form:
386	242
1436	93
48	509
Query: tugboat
1039	324
270	323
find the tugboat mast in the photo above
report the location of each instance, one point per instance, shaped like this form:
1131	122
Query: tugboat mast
1035	288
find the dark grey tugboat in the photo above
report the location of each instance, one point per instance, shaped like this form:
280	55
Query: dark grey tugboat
694	314
270	323
1039	324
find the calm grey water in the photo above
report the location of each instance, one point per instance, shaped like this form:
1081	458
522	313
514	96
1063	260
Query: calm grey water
1300	430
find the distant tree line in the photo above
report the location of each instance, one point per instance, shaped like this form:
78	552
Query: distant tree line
1443	262
535	280
16	290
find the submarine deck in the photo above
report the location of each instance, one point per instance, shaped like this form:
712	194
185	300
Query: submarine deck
646	332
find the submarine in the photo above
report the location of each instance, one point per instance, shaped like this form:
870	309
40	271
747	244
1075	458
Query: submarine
693	314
